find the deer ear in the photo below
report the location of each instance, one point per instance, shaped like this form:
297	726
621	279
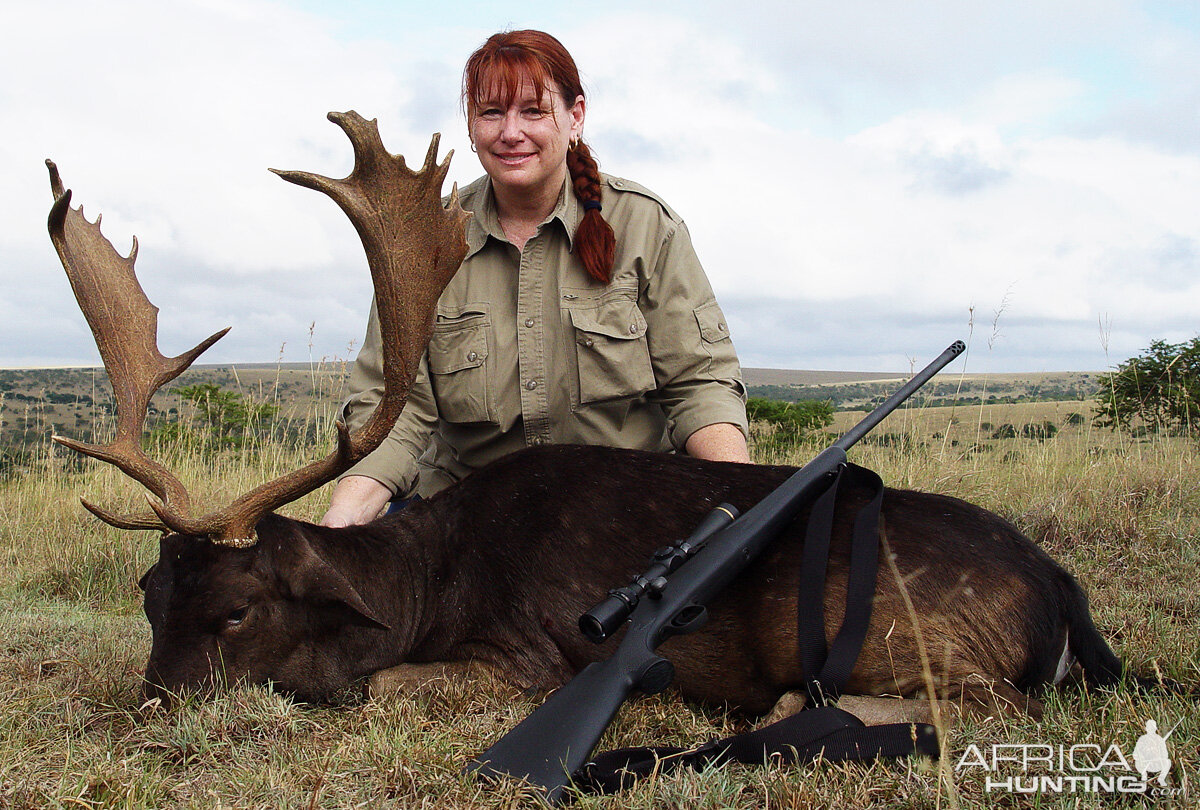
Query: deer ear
146	577
305	575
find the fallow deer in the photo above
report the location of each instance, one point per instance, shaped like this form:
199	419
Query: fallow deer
492	574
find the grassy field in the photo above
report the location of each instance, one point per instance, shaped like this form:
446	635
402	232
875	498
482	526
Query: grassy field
1124	515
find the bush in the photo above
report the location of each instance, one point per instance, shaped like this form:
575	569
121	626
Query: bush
1039	432
792	417
791	421
1160	389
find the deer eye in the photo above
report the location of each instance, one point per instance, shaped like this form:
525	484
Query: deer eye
236	616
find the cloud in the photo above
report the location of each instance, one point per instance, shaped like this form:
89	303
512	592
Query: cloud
957	172
995	197
857	178
164	117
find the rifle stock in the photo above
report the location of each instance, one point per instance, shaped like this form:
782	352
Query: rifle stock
557	738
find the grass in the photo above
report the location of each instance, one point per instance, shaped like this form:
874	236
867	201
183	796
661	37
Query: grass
1124	515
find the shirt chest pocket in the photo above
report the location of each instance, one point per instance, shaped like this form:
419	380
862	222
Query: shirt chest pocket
612	352
458	366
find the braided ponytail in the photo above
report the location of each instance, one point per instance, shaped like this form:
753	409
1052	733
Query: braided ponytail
594	243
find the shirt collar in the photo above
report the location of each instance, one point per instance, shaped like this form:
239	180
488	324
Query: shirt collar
486	220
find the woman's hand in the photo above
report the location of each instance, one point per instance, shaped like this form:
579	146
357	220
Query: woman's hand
356	499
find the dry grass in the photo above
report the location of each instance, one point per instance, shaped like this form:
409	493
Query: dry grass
1123	515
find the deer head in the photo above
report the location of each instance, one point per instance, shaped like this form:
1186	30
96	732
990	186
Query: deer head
414	245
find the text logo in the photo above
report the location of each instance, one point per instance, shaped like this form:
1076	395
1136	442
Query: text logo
1079	768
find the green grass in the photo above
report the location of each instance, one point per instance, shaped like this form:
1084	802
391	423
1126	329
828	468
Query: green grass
1123	515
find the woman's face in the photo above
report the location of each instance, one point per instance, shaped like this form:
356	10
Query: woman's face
523	145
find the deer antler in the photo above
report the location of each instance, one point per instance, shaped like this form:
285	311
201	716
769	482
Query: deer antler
125	325
414	246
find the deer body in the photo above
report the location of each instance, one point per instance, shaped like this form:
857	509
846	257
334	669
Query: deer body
497	570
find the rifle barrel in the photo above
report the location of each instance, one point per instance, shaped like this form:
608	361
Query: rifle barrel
731	548
851	436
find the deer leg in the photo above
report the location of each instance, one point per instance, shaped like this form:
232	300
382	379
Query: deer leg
983	699
878	711
873	711
976	698
788	704
408	678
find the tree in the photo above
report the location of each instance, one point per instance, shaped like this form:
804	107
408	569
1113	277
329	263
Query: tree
1160	389
224	418
792	420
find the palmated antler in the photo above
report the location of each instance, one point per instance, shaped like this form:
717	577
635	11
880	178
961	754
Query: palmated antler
414	246
125	325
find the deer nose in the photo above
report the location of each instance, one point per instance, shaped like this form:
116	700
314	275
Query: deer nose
152	690
171	687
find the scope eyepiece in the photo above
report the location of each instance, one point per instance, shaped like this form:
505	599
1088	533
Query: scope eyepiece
607	617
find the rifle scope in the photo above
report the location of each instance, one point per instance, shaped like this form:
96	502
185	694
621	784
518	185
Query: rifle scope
607	617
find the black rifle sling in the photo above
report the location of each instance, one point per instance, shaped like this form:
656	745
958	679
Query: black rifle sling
826	673
819	731
826	733
810	598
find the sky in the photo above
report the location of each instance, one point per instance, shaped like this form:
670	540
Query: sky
864	182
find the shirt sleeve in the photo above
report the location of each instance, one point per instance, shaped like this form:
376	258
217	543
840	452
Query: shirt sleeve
394	462
695	365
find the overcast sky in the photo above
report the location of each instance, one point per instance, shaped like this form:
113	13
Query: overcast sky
864	181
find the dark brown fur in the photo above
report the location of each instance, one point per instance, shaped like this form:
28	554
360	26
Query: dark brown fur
498	569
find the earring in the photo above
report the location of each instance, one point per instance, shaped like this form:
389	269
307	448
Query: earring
575	142
473	149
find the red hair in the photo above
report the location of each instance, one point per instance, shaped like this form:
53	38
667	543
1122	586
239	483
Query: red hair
497	70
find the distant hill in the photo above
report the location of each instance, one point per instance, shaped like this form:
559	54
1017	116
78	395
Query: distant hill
791	376
856	389
35	403
795	376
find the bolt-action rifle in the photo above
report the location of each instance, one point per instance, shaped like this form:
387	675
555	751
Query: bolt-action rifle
549	745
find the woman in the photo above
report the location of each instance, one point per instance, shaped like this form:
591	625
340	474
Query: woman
580	314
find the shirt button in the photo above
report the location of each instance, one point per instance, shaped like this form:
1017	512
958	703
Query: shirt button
532	384
589	342
633	328
529	322
720	327
472	357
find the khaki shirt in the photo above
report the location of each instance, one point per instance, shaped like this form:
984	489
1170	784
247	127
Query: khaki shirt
527	349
